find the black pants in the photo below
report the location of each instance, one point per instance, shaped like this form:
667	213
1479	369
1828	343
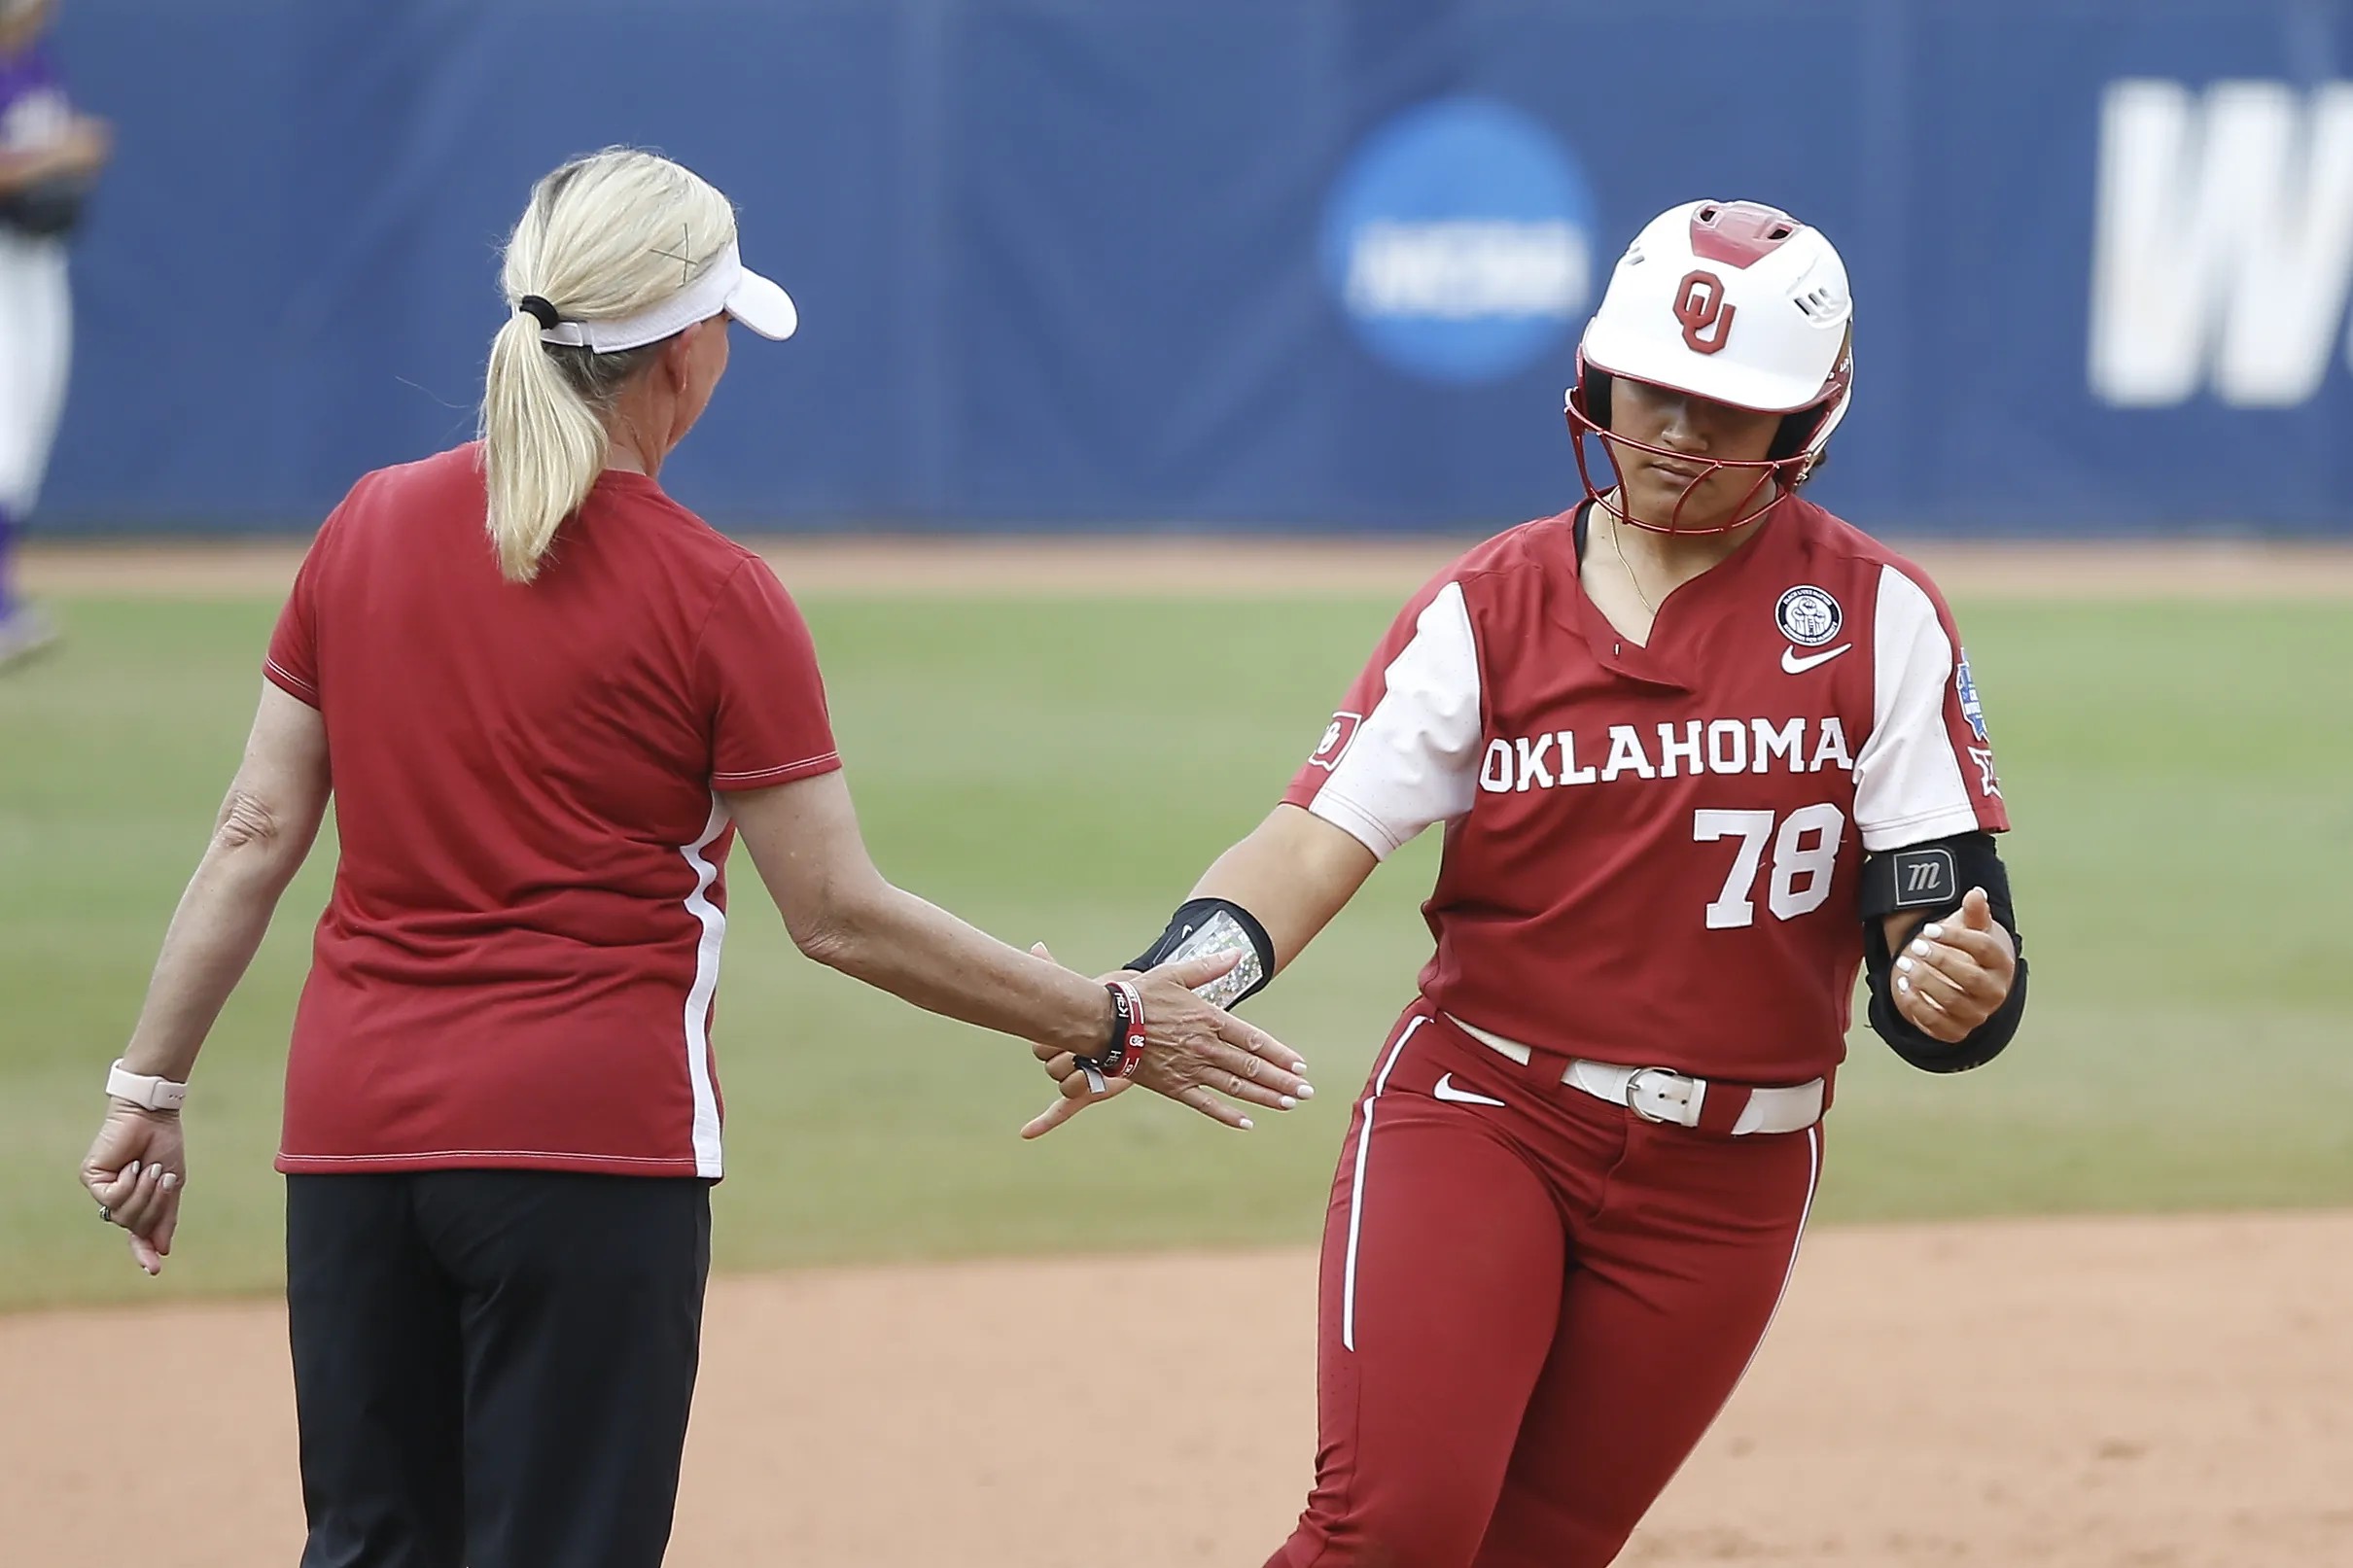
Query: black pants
493	1367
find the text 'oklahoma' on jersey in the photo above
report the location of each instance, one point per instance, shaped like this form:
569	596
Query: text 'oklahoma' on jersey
1707	797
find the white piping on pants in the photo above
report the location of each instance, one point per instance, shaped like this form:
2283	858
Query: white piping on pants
1356	1196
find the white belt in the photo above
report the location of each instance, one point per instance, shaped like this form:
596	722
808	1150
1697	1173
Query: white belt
1660	1094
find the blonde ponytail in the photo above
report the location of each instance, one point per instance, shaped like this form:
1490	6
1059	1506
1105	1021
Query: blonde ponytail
543	447
603	238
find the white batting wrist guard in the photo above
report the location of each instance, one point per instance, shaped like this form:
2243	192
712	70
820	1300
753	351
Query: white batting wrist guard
1203	927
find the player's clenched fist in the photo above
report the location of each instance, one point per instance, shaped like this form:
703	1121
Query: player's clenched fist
1954	973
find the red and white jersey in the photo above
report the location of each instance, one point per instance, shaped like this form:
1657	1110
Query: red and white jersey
517	966
1652	852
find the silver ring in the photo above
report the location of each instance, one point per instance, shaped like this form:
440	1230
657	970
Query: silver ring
106	1215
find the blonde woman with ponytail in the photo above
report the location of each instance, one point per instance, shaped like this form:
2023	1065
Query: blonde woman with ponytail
546	699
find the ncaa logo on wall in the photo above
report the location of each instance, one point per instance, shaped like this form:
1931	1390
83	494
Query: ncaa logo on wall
1458	241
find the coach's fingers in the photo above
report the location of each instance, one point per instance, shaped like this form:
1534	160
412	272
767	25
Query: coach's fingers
1262	1076
1077	1093
1052	1117
1259	1043
1204	1100
137	1211
113	1189
115	1156
168	1226
1273	1096
1192	973
151	1242
158	1191
1082	1080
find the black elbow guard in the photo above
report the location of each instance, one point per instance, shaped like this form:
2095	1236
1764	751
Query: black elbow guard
1929	880
1207	926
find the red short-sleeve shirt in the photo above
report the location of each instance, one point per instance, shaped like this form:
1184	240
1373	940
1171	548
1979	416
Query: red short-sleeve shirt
517	964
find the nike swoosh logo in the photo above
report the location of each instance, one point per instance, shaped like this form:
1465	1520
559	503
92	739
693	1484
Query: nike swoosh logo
1445	1089
1796	665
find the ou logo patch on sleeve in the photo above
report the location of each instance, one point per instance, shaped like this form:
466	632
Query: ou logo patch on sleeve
1337	737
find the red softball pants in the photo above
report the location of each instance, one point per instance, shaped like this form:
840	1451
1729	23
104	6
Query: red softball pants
1530	1311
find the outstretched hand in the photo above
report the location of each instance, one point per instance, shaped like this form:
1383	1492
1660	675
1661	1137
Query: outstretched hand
1955	973
1196	1054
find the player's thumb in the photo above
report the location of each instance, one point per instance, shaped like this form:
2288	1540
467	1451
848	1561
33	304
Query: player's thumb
1977	910
1038	950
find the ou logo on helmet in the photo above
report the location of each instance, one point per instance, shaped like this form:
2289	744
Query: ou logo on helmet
1700	307
1458	241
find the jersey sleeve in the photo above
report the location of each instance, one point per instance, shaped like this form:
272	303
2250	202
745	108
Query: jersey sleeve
291	664
757	670
1402	752
1926	771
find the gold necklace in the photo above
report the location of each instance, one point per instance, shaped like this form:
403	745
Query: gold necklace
1627	567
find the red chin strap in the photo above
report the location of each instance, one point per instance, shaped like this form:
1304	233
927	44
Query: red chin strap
1789	471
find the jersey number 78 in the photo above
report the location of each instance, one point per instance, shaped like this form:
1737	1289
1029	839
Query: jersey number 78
1801	869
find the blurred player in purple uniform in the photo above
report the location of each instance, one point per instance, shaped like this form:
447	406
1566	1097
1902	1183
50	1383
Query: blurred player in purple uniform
49	157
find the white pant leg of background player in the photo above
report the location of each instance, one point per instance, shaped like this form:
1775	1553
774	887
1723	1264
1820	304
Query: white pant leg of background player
36	350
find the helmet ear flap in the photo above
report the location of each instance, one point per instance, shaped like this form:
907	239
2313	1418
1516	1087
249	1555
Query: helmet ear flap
1595	388
1802	429
1796	430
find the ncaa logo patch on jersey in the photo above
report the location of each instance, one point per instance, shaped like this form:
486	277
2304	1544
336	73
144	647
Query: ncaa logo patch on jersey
1336	739
1972	709
1808	616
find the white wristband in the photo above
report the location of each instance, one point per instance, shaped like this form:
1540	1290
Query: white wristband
147	1093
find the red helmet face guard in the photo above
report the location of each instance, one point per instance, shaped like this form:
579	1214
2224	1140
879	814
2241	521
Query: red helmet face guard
1790	471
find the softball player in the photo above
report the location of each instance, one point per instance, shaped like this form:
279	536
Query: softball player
546	699
48	156
1700	750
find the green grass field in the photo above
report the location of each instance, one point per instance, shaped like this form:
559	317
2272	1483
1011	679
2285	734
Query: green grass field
2183	790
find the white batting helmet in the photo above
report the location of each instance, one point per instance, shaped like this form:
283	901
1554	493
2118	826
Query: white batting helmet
1734	301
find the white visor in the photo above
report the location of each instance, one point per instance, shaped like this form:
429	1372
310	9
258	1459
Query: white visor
726	284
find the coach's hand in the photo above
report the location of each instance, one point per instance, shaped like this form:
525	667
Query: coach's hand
136	1170
1955	973
1193	1053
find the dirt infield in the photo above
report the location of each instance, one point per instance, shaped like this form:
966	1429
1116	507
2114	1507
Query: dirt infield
1190	565
2052	1394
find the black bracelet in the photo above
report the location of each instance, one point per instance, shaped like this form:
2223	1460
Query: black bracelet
1116	1047
1124	1053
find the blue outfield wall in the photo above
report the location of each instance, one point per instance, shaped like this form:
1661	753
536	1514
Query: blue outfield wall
1285	263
